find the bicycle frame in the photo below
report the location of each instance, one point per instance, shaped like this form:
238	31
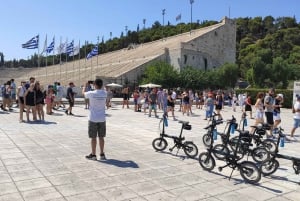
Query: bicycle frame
295	160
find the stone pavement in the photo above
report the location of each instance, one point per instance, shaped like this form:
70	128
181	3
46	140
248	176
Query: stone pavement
46	161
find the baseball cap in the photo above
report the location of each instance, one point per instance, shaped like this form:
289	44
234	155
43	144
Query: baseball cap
280	95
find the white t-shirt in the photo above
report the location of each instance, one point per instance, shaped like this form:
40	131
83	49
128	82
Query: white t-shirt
97	100
297	107
60	91
174	95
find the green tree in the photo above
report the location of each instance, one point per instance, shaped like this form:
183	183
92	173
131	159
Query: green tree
280	72
229	74
161	73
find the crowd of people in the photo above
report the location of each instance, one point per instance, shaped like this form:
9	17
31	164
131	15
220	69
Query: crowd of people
30	97
34	99
266	107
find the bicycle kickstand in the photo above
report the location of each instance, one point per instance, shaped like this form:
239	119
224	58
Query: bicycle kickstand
171	149
231	173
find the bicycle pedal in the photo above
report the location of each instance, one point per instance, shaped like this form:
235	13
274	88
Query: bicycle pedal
170	150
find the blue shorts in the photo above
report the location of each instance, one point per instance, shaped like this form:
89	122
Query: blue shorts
153	106
296	123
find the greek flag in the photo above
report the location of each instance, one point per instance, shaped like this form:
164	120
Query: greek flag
94	52
50	48
178	17
70	47
32	43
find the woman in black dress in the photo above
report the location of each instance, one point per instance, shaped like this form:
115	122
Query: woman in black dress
30	102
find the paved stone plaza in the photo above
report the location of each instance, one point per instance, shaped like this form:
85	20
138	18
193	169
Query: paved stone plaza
46	161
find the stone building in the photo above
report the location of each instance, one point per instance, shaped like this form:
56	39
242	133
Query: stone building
205	48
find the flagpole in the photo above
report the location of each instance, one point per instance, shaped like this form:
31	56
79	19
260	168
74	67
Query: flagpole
85	75
45	48
60	60
38	55
91	66
73	64
66	63
79	63
53	51
98	51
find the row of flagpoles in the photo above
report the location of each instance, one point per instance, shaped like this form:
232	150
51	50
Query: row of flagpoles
67	48
64	48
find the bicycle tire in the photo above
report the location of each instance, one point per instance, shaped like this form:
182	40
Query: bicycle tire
190	149
260	154
207	139
206	161
269	167
159	144
270	145
250	172
220	151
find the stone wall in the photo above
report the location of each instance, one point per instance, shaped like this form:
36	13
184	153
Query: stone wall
208	51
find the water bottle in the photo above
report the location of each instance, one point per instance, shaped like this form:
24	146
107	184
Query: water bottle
165	121
245	122
281	141
232	128
215	134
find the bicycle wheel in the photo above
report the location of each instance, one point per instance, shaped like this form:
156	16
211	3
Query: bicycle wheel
206	161
260	154
250	172
269	167
220	151
190	149
207	139
269	145
159	144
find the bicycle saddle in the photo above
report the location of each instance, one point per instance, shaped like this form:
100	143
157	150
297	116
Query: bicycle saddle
243	133
183	122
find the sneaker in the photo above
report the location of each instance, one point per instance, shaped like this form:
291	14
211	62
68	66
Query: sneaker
102	157
71	113
66	112
91	157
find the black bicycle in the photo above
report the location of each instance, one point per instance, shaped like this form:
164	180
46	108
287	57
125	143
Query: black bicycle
248	170
270	166
160	144
208	137
257	135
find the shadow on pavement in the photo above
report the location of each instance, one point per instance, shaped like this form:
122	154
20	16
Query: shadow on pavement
122	164
181	156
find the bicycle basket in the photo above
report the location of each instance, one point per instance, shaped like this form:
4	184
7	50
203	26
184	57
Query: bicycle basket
187	127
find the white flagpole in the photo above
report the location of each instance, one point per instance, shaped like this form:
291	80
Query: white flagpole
66	63
98	51
73	62
60	50
91	66
45	48
79	63
85	75
53	51
38	55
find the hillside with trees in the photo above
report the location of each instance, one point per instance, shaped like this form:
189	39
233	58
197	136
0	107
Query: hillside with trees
268	54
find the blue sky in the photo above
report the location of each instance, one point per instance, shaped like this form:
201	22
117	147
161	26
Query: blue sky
86	20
